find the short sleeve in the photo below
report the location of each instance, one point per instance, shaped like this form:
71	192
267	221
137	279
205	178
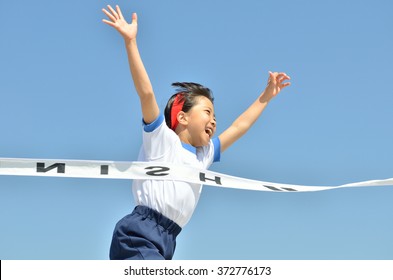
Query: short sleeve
217	149
158	139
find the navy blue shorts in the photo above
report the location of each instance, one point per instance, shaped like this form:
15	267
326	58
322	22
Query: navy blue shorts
145	234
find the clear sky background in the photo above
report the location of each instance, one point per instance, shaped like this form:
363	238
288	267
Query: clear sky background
66	93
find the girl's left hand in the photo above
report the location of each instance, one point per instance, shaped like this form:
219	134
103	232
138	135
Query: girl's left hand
277	81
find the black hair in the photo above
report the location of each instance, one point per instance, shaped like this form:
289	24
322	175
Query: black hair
190	92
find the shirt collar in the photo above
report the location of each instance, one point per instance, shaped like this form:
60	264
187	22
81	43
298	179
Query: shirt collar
189	147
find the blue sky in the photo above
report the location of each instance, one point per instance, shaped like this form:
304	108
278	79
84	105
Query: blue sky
66	93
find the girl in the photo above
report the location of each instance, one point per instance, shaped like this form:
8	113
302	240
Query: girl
183	135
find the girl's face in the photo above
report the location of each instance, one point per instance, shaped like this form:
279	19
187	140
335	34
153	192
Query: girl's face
201	122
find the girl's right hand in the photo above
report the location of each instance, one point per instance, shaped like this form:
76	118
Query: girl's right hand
117	21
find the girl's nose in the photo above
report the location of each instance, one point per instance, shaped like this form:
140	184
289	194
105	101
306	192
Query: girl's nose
213	122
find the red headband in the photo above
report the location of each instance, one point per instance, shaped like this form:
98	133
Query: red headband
177	106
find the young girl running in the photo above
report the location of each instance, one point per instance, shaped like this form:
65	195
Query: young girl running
184	134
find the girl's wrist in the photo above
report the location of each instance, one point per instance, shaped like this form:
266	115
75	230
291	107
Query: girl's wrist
129	41
265	97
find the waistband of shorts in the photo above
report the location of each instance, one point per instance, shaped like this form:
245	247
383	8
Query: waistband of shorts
163	221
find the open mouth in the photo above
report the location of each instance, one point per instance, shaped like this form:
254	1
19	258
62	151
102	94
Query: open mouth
209	132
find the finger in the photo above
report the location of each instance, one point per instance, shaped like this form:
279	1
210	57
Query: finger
119	12
109	15
109	22
285	85
282	83
282	77
134	18
282	74
113	12
286	77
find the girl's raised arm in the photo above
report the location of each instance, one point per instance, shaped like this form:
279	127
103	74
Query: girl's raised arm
150	109
243	123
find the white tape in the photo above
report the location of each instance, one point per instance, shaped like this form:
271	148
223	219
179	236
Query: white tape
153	171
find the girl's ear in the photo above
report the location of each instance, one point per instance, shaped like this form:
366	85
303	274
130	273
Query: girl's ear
182	118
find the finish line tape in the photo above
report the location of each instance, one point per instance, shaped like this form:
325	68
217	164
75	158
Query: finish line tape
154	171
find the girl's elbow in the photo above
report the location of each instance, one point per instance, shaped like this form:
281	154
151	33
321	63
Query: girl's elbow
242	127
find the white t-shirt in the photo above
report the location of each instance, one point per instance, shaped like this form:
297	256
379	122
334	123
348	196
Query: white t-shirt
174	199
